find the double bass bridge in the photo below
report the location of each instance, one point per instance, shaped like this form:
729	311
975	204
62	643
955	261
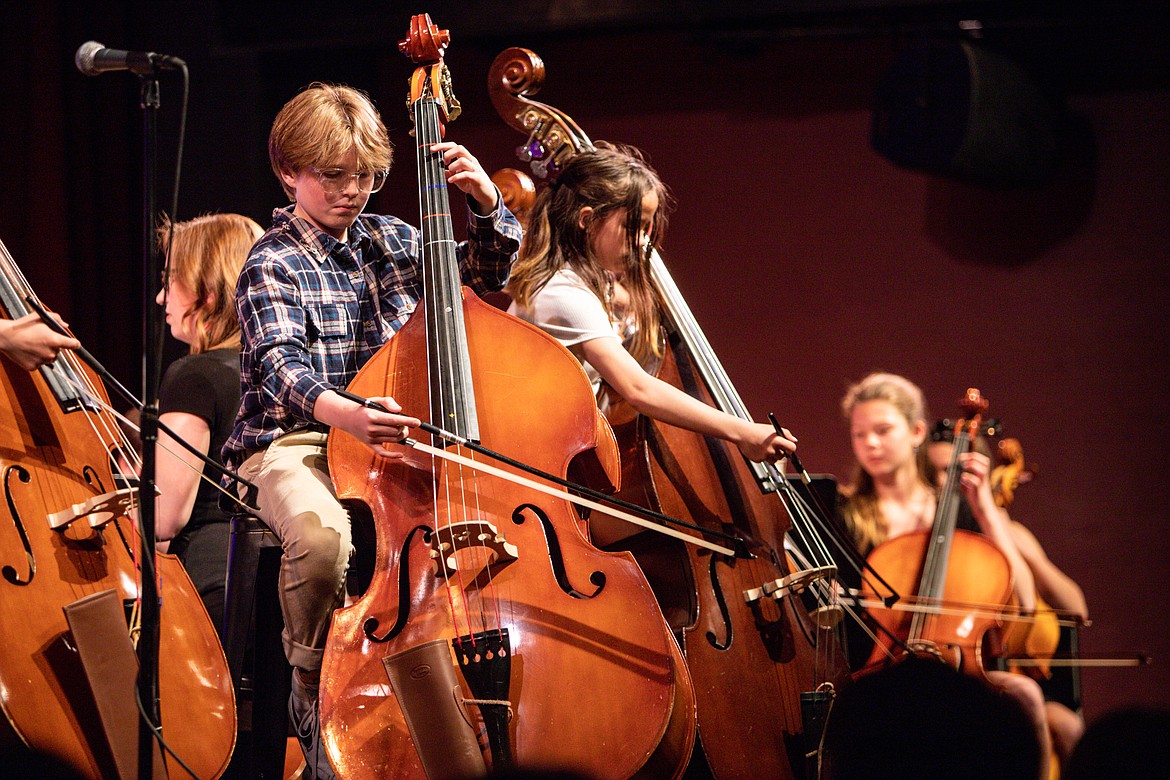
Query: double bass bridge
797	582
454	537
98	510
480	535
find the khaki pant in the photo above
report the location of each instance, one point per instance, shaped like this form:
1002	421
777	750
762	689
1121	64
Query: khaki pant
297	501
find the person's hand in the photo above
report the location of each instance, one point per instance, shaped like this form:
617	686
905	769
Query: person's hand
30	343
974	481
765	445
376	428
465	172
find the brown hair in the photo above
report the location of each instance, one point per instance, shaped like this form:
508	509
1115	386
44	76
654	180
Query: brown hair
606	179
320	125
862	515
205	256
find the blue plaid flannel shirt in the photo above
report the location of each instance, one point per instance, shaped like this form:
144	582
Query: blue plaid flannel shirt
309	321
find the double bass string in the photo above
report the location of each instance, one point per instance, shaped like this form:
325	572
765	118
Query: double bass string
784	591
728	399
432	279
455	405
65	375
118	441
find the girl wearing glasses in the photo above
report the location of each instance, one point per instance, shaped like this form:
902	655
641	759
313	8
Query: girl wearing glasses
200	393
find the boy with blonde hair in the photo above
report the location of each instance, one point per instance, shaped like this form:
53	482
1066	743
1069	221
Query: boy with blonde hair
322	290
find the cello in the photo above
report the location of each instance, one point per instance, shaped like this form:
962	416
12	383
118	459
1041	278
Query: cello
493	634
1030	638
953	609
66	536
742	624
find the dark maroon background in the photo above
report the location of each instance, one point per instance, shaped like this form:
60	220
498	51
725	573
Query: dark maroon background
809	259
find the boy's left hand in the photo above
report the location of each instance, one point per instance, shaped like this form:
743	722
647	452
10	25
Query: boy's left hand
465	172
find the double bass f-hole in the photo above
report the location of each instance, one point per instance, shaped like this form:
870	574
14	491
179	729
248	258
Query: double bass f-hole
10	571
370	625
556	559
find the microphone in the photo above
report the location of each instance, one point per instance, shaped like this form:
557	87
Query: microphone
92	58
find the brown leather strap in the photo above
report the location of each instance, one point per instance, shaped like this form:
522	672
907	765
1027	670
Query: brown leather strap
103	646
423	679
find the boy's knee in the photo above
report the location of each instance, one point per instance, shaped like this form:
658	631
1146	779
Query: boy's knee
322	551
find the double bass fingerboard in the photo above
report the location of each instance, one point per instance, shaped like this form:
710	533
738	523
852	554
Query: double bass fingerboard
449	363
62	380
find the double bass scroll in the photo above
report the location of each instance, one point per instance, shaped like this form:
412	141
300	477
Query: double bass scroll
552	136
742	629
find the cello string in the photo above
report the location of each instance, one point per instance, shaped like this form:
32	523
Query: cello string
928	580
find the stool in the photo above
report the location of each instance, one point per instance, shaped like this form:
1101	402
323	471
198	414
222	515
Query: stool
260	672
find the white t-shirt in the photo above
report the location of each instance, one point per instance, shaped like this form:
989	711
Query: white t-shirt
570	312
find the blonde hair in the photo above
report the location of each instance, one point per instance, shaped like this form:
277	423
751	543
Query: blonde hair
205	256
606	179
862	515
320	125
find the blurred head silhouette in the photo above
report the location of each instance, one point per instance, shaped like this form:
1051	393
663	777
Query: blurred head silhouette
920	718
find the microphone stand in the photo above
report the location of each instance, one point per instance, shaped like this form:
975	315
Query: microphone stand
148	642
91	59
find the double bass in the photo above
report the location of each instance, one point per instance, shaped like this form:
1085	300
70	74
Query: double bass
64	537
755	652
493	634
